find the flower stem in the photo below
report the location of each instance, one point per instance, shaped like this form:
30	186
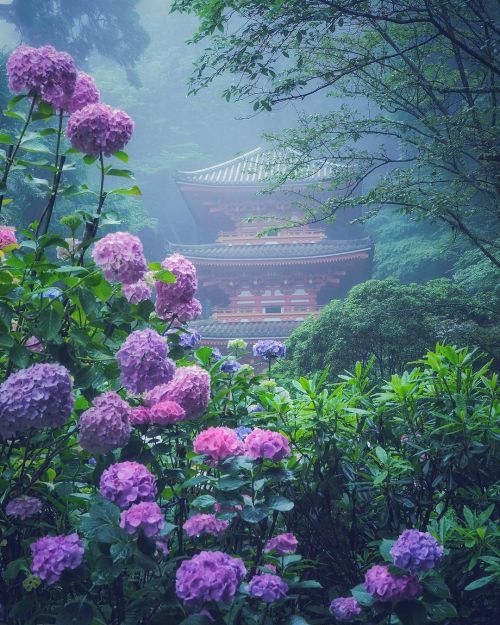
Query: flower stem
92	226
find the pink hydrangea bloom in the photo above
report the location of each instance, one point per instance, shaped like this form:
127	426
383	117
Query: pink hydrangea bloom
121	257
139	415
23	507
143	361
268	587
105	426
260	444
145	516
209	576
136	292
200	524
169	296
54	554
98	128
219	443
385	586
166	412
190	388
85	92
126	483
283	544
7	236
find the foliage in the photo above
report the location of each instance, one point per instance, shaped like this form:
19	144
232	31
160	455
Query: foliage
414	122
389	324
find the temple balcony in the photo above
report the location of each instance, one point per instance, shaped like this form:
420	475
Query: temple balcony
231	316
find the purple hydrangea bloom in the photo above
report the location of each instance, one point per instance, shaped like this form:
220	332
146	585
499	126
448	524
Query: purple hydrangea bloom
143	361
230	366
261	444
136	292
269	349
53	292
185	311
139	415
126	483
53	554
255	408
189	340
169	296
20	69
162	546
416	551
166	412
34	345
385	586
105	426
345	609
98	128
145	516
242	432
200	524
23	507
37	397
190	388
216	354
121	257
282	544
209	576
86	92
268	587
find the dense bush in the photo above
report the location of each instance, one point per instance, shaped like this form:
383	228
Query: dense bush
147	480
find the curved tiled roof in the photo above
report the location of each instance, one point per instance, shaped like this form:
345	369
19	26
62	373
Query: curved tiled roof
213	329
271	251
257	167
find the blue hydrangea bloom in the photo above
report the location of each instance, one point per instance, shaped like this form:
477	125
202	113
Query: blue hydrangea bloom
416	551
188	340
242	432
230	366
269	349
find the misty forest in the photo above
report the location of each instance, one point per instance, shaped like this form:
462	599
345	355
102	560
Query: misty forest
249	312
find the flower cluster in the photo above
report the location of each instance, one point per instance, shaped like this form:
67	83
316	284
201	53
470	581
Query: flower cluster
136	292
268	587
126	483
209	576
230	366
345	609
261	444
85	92
139	415
269	349
23	508
219	443
282	544
105	426
237	346
178	298
143	361
416	551
166	412
54	554
121	257
7	236
385	586
200	524
188	340
190	388
34	345
145	516
97	128
37	397
187	311
242	432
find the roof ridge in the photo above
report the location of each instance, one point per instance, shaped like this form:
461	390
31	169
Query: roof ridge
218	165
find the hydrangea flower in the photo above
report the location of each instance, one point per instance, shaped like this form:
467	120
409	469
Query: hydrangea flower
22	69
282	544
97	128
139	415
169	296
65	254
230	366
268	587
121	257
126	483
166	412
189	340
190	388
242	432
209	576
145	516
216	354
416	551
136	292
237	345
23	507
54	554
261	444
253	408
385	586
7	236
162	546
200	524
105	426
143	361
345	609
219	443
85	92
185	311
37	397
269	349
34	345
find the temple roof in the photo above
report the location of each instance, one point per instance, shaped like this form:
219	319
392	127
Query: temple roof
257	167
214	329
271	251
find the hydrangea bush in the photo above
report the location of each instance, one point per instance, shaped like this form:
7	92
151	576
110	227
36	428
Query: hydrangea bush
149	479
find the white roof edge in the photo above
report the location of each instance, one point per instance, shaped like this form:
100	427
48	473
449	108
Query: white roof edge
219	165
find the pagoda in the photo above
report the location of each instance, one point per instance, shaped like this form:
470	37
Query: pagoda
253	286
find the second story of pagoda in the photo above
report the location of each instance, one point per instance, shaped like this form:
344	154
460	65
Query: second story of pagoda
247	280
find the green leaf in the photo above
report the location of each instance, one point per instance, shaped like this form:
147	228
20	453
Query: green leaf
122	156
230	483
121	173
204	501
280	503
255	514
13	569
49	323
411	612
88	159
297	620
381	454
441	611
76	613
19	355
129	191
13	101
361	595
385	549
6	139
435	585
308	583
165	276
380	477
479	583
